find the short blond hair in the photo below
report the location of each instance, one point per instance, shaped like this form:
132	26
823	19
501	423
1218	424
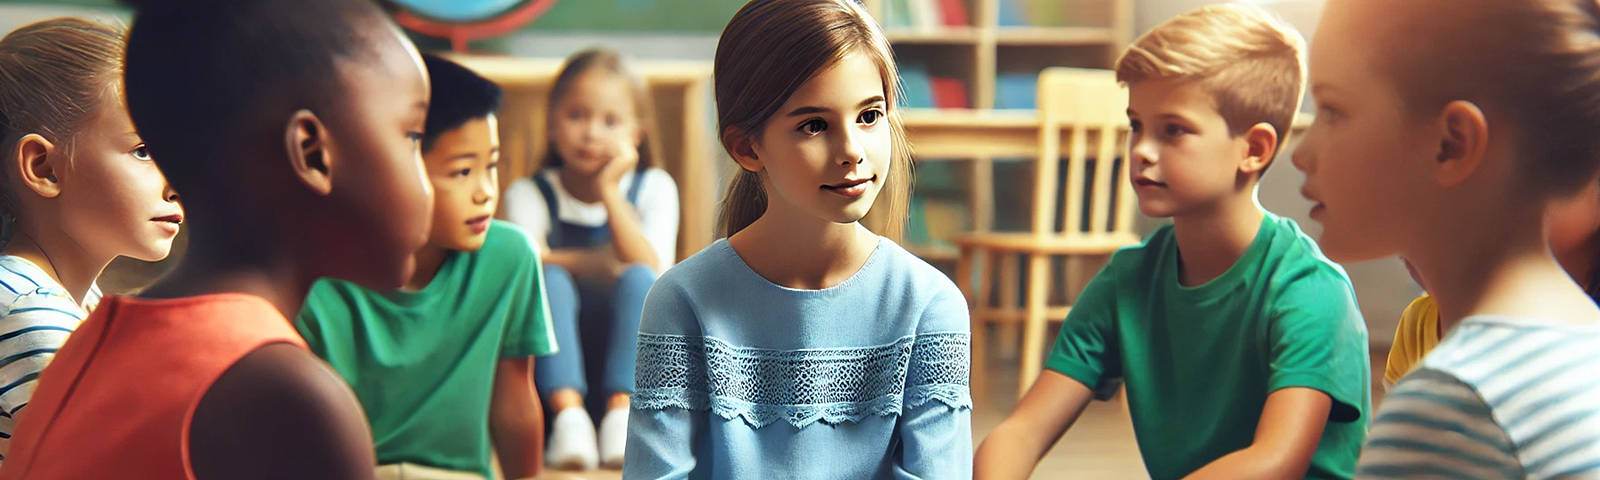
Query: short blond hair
1252	63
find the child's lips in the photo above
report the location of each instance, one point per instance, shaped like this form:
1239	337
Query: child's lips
850	188
479	224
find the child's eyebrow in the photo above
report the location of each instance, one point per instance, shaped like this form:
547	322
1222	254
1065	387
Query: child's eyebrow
875	99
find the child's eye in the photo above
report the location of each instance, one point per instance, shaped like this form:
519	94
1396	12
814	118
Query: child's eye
141	153
1134	126
416	137
871	117
612	121
1174	130
461	173
813	126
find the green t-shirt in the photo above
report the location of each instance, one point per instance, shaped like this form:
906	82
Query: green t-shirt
1199	362
422	363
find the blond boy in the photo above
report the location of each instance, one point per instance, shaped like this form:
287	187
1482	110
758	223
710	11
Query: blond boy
1244	355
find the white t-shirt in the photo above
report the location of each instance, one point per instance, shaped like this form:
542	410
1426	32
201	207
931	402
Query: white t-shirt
657	206
36	316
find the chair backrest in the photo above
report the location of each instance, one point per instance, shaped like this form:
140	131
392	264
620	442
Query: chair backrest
1083	112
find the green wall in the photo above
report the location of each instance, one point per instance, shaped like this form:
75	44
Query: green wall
641	16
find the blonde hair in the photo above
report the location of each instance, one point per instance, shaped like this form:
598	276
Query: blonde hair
610	62
1533	65
768	51
53	74
1252	64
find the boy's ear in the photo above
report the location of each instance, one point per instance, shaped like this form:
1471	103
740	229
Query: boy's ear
743	148
1464	137
1261	143
34	166
306	140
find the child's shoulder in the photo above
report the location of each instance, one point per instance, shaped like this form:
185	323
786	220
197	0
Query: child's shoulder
1296	256
709	265
507	242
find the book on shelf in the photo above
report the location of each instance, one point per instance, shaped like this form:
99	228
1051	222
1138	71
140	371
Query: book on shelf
949	93
918	85
954	13
925	14
897	14
1015	90
1012	14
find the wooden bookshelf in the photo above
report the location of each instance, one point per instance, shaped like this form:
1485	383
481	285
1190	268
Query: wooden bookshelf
1072	33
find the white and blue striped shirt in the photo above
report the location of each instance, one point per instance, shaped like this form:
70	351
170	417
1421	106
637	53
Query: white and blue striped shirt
1498	398
36	315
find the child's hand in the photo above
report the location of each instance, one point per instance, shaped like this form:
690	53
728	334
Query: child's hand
624	159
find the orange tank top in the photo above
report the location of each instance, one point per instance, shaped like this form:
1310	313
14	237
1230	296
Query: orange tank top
117	400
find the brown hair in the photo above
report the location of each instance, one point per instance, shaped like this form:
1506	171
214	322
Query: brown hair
1531	64
612	63
1252	64
767	52
53	73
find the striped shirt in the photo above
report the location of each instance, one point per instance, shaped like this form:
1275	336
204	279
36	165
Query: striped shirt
36	315
1497	398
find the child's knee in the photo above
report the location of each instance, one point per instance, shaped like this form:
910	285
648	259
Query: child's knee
636	277
559	286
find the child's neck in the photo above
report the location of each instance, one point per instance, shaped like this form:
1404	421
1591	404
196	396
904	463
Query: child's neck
228	260
1500	272
429	259
1210	242
63	260
803	252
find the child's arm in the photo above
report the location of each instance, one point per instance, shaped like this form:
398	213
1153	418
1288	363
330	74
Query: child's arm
280	413
1085	358
1291	426
516	419
664	423
1319	373
1015	447
627	234
935	424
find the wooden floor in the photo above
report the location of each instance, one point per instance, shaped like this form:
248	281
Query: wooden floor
1099	446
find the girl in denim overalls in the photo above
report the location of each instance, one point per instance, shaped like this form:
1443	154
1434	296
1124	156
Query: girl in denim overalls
609	223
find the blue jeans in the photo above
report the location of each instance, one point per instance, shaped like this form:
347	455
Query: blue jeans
602	320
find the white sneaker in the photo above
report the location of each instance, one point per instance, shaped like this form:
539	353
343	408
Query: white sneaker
572	442
613	437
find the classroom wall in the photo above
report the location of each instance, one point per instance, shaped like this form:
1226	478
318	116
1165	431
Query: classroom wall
1382	287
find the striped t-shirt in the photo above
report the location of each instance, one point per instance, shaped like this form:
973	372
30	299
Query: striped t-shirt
36	315
1498	398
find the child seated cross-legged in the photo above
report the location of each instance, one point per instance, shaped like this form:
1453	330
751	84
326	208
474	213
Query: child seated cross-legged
1446	131
607	219
804	346
443	366
290	127
1241	346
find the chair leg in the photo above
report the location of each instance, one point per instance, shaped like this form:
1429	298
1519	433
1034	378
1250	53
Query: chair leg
979	350
1009	294
1034	321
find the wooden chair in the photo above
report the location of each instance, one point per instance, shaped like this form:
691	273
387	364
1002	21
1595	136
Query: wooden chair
1082	113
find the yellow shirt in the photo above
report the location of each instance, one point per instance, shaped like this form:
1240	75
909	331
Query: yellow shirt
1417	335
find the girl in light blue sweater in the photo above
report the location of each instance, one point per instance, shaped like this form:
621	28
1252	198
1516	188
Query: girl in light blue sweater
804	346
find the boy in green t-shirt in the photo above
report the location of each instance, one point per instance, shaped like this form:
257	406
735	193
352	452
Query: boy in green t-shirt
1241	346
443	366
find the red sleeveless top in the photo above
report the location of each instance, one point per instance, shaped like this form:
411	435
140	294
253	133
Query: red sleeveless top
117	400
